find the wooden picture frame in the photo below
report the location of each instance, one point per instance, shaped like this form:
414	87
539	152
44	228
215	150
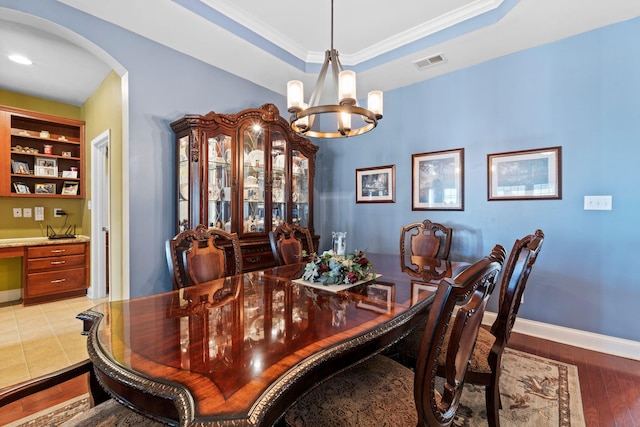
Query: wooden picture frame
438	180
19	168
21	188
525	175
380	297
69	188
376	185
46	188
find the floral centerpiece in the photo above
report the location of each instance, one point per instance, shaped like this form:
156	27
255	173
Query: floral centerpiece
332	269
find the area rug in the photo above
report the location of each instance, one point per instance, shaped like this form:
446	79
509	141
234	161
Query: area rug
534	391
55	415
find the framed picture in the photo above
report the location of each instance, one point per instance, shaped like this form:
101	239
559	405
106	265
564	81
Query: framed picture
47	188
380	297
376	185
438	180
46	167
420	290
525	175
46	162
21	188
19	167
69	188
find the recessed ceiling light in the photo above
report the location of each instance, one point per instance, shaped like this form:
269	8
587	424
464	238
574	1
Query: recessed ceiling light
20	59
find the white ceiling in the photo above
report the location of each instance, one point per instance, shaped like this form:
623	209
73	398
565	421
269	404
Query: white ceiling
380	39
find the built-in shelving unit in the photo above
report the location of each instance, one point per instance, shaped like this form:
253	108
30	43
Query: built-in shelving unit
42	155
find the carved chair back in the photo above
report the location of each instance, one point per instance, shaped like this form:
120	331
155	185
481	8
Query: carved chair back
202	254
420	243
287	243
437	407
513	282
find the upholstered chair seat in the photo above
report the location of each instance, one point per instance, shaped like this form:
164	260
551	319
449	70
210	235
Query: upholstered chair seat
378	392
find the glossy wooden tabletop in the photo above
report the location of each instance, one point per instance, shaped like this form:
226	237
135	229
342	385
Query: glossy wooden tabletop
239	350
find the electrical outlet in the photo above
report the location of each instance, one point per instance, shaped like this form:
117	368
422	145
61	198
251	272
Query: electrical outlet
58	212
26	212
17	212
39	213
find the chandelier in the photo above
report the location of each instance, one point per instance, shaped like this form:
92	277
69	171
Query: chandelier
303	115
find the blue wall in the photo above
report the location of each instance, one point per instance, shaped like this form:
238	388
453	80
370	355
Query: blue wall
581	93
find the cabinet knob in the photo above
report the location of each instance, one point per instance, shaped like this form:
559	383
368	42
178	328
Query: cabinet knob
58	281
57	262
58	251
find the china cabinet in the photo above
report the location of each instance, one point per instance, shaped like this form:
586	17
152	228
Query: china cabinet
244	173
41	155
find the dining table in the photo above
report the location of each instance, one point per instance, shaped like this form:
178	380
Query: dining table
238	351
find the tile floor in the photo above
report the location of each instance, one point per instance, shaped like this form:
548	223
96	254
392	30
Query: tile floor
41	339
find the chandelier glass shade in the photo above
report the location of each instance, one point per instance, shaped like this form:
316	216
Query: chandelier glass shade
343	119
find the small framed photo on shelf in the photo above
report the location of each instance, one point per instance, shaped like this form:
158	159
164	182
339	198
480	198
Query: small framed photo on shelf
69	174
21	188
69	188
46	188
376	185
438	180
525	175
20	168
46	167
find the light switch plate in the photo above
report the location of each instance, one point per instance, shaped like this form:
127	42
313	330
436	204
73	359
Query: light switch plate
39	213
598	203
26	212
17	212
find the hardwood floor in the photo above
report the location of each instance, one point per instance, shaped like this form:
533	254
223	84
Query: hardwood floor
610	386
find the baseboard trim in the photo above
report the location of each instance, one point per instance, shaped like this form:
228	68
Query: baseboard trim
597	342
11	295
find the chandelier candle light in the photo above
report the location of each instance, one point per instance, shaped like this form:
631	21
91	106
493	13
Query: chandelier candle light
303	115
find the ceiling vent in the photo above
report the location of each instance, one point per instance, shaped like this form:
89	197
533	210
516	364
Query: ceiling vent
429	62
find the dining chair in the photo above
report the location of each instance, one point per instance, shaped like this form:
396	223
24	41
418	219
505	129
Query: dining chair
485	365
288	241
202	254
421	243
381	391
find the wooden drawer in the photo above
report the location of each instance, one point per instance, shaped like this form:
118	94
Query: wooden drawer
55	263
53	282
55	250
257	257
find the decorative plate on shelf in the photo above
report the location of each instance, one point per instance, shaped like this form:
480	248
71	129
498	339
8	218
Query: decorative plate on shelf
336	288
256	158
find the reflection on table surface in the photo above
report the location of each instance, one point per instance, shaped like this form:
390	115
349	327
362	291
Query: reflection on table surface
243	347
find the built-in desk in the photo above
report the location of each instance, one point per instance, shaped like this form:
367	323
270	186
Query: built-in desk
51	269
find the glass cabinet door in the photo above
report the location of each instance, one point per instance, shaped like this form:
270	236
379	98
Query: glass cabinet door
183	183
300	189
253	140
219	182
278	179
